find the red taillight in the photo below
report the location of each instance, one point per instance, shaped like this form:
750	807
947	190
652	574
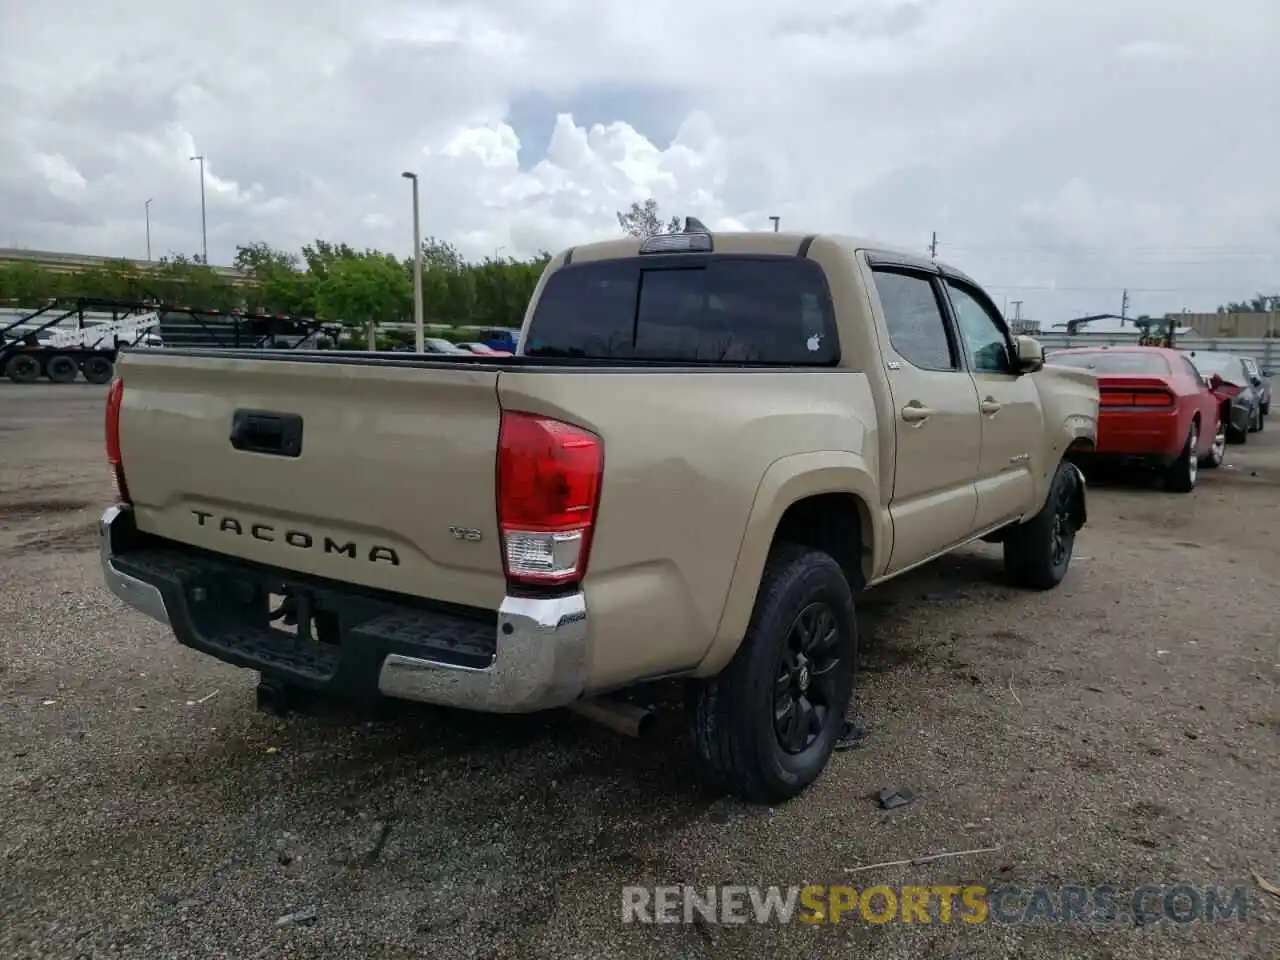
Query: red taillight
1131	397
115	398
549	476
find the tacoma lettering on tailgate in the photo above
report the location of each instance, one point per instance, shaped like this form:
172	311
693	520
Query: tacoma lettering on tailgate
301	539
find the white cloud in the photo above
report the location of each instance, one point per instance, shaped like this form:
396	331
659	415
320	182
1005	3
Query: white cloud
1052	146
1153	50
62	179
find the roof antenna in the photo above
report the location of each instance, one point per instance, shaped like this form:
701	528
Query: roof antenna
694	225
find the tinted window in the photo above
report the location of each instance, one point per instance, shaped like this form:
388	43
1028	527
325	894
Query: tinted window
1115	361
679	309
914	318
1190	369
982	333
1224	364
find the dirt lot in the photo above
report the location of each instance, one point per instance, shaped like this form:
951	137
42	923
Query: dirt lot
1121	730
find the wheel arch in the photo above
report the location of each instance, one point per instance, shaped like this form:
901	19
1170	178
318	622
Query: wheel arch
828	501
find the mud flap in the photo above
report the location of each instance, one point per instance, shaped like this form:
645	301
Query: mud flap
1079	497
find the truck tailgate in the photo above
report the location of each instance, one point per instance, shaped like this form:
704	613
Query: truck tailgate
392	486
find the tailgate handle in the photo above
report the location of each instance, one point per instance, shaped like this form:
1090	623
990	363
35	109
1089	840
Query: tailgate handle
261	431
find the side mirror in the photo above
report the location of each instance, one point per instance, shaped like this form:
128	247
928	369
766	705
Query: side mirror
1256	381
1028	354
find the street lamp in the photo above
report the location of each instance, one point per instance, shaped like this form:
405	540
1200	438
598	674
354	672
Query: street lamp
417	267
775	223
204	233
146	207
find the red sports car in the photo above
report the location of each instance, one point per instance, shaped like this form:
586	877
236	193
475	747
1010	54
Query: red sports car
1154	411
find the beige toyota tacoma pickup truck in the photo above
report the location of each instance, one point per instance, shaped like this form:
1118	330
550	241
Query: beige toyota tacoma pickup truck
705	448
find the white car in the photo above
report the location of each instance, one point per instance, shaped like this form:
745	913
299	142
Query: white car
440	345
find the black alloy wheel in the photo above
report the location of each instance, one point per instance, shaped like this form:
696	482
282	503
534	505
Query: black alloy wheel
804	689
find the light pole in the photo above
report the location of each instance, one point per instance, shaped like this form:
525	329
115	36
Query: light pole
775	223
497	253
147	210
419	335
204	233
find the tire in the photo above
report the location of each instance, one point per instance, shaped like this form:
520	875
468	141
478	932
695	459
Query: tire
734	721
22	368
1218	452
61	369
1037	552
99	370
1235	434
1181	475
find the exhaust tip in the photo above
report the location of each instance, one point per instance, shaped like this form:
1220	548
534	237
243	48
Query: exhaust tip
618	715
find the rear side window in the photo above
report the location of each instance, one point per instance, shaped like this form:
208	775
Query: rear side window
688	309
1117	362
913	315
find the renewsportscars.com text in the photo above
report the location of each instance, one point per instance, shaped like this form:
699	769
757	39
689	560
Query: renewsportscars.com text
814	904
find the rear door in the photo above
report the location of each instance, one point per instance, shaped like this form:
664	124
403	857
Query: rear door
937	423
1013	434
391	461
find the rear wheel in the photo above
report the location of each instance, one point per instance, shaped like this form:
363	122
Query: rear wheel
1037	552
764	728
22	368
61	369
1234	433
1181	475
98	370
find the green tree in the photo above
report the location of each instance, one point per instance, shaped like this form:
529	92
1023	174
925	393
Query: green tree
279	285
28	283
1257	304
643	220
322	255
364	289
325	279
259	259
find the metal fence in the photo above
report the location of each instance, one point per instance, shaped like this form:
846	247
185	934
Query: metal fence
1265	351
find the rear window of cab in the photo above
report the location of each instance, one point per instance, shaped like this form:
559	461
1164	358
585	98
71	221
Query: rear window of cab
683	308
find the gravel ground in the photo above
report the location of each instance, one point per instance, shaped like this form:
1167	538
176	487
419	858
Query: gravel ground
1120	730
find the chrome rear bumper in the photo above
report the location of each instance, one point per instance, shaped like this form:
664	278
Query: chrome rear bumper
540	661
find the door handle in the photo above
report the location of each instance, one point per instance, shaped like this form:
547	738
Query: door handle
913	412
990	407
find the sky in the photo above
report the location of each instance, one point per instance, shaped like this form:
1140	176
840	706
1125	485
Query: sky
1062	150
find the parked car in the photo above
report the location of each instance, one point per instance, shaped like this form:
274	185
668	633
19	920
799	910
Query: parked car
543	530
501	339
440	345
1237	386
1155	412
484	350
1261	379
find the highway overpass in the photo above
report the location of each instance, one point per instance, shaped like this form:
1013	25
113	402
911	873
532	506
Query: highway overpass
75	262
